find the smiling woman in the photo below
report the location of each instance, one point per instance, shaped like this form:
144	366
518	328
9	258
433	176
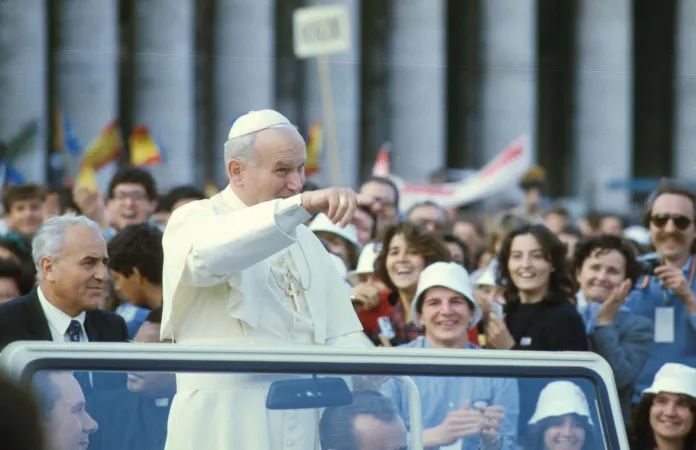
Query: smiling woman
407	250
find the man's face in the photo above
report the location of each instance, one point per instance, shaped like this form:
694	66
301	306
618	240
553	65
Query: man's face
467	232
668	211
277	169
130	205
373	434
155	383
79	275
611	225
129	288
25	216
446	316
384	202
364	223
8	289
69	425
555	222
429	217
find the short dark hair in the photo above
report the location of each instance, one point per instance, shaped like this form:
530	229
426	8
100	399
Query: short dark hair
640	433
450	238
17	193
20	420
604	244
134	175
555	252
593	217
428	203
155	316
336	427
23	278
388	182
668	186
558	210
138	246
423	242
177	194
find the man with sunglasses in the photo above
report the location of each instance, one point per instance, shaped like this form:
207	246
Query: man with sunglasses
667	295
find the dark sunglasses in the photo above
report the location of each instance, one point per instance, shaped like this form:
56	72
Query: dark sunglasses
680	221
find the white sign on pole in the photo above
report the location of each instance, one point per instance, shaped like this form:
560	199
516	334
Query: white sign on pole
321	30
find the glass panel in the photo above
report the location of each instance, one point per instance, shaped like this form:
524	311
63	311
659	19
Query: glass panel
145	410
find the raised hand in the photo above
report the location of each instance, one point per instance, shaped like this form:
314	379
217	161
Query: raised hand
338	204
611	306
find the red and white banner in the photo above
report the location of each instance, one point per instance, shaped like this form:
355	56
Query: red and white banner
503	172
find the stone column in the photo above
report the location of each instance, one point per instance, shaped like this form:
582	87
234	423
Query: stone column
23	71
164	98
417	60
508	74
603	101
345	90
685	86
244	65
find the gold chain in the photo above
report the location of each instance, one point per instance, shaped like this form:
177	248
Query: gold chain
287	268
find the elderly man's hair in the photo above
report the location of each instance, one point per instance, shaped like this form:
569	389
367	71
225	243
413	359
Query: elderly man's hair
242	147
46	391
48	241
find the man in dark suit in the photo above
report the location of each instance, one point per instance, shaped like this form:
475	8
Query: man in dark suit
70	257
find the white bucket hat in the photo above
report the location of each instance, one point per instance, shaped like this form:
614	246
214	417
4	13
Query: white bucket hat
322	223
559	398
449	275
674	378
488	276
254	121
366	262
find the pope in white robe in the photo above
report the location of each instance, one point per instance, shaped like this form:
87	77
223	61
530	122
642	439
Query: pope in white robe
240	269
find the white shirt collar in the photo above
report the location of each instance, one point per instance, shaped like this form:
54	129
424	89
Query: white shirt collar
56	317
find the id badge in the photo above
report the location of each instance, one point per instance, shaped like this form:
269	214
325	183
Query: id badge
664	325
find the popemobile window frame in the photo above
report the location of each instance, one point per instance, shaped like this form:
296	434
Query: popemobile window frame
21	360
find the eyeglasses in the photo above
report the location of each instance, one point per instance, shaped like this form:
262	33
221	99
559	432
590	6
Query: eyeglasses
680	221
135	196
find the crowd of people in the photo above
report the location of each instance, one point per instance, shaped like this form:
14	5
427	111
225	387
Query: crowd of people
78	266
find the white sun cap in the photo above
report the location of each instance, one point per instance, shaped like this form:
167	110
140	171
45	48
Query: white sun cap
674	378
254	121
322	223
366	262
489	274
451	276
559	398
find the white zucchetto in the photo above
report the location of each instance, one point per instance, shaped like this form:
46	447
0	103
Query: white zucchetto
254	121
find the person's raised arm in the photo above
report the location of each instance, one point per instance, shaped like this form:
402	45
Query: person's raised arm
215	245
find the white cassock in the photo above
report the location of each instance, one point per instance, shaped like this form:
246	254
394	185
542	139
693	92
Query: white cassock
224	283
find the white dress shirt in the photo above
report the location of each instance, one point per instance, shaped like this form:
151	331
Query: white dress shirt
58	321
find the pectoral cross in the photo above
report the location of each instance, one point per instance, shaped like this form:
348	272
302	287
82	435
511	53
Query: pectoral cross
293	293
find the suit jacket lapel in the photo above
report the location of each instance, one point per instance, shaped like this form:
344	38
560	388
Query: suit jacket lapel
92	331
37	323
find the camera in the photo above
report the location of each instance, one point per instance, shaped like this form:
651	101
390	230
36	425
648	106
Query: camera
649	263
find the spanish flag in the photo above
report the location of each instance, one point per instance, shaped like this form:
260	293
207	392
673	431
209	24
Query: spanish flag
87	177
315	140
104	148
144	151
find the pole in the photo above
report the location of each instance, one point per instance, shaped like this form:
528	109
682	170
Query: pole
329	119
